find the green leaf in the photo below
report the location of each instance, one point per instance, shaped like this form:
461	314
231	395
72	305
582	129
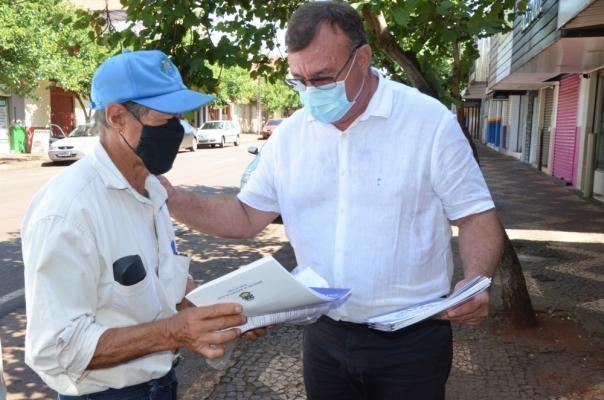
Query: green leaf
444	7
400	14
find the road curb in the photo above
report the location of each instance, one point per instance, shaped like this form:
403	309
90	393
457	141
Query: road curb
23	165
11	301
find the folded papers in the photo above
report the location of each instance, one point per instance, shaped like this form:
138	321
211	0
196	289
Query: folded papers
269	295
399	319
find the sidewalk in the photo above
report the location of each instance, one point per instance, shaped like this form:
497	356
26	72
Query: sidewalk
14	161
560	240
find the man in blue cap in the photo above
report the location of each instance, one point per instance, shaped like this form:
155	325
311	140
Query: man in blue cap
104	283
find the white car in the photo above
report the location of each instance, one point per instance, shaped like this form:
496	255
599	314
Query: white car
217	133
81	141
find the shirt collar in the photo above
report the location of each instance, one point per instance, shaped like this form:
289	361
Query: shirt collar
380	104
111	176
113	179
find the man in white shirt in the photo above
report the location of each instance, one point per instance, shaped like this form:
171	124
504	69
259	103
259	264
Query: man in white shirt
367	178
104	282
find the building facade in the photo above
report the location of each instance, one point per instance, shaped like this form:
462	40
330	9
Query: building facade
544	96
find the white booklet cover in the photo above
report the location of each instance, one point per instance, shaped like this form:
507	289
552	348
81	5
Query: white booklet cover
269	294
399	319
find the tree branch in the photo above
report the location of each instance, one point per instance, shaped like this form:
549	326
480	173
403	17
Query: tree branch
407	60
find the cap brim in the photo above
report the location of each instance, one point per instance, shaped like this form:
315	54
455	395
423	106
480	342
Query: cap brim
176	102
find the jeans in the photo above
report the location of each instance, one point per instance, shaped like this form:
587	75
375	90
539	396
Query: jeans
350	361
163	388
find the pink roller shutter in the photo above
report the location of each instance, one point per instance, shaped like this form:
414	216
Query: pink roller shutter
565	137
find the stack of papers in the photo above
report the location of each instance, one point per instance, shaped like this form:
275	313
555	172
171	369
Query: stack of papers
269	295
396	320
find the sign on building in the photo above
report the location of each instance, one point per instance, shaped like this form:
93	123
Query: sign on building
40	141
4	143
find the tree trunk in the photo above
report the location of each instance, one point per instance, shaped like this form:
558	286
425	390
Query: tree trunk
456	94
86	110
516	301
406	59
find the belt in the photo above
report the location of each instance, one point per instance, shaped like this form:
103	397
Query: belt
364	327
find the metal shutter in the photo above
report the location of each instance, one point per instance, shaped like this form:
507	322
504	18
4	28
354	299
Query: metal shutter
565	139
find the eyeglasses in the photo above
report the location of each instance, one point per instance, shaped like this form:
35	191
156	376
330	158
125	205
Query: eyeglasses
321	82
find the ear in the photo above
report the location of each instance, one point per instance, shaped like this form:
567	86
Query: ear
364	55
115	115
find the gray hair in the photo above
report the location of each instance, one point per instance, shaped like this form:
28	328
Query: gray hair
304	22
135	109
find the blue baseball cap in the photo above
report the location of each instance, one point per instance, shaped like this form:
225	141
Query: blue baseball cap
146	77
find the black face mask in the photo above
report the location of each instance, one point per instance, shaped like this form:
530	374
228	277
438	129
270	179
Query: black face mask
158	145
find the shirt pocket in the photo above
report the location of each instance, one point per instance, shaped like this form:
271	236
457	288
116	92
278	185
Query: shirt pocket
138	303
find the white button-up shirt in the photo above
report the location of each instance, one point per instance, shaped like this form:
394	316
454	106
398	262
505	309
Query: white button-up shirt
76	227
369	208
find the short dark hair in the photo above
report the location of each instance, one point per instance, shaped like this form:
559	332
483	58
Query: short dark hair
304	22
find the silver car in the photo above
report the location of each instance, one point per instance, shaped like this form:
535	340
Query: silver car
218	133
189	140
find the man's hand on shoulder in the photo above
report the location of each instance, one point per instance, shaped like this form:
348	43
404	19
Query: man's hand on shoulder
473	311
167	185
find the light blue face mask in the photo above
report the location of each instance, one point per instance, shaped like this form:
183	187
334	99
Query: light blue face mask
329	105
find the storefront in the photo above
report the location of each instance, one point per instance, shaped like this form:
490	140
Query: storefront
566	135
545	130
598	175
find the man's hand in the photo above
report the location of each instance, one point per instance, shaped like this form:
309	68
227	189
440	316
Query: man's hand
473	311
255	333
191	284
200	329
167	185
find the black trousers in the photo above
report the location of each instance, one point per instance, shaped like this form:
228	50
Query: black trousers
350	361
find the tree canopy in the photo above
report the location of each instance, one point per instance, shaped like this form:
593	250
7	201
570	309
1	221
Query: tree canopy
422	40
47	40
415	41
198	34
278	96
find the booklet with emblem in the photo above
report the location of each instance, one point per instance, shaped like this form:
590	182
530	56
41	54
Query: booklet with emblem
269	294
399	319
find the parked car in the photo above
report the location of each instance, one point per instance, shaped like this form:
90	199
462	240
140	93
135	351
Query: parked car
56	133
269	127
80	142
189	140
218	133
251	167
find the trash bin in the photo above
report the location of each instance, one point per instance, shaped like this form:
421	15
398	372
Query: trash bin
17	138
